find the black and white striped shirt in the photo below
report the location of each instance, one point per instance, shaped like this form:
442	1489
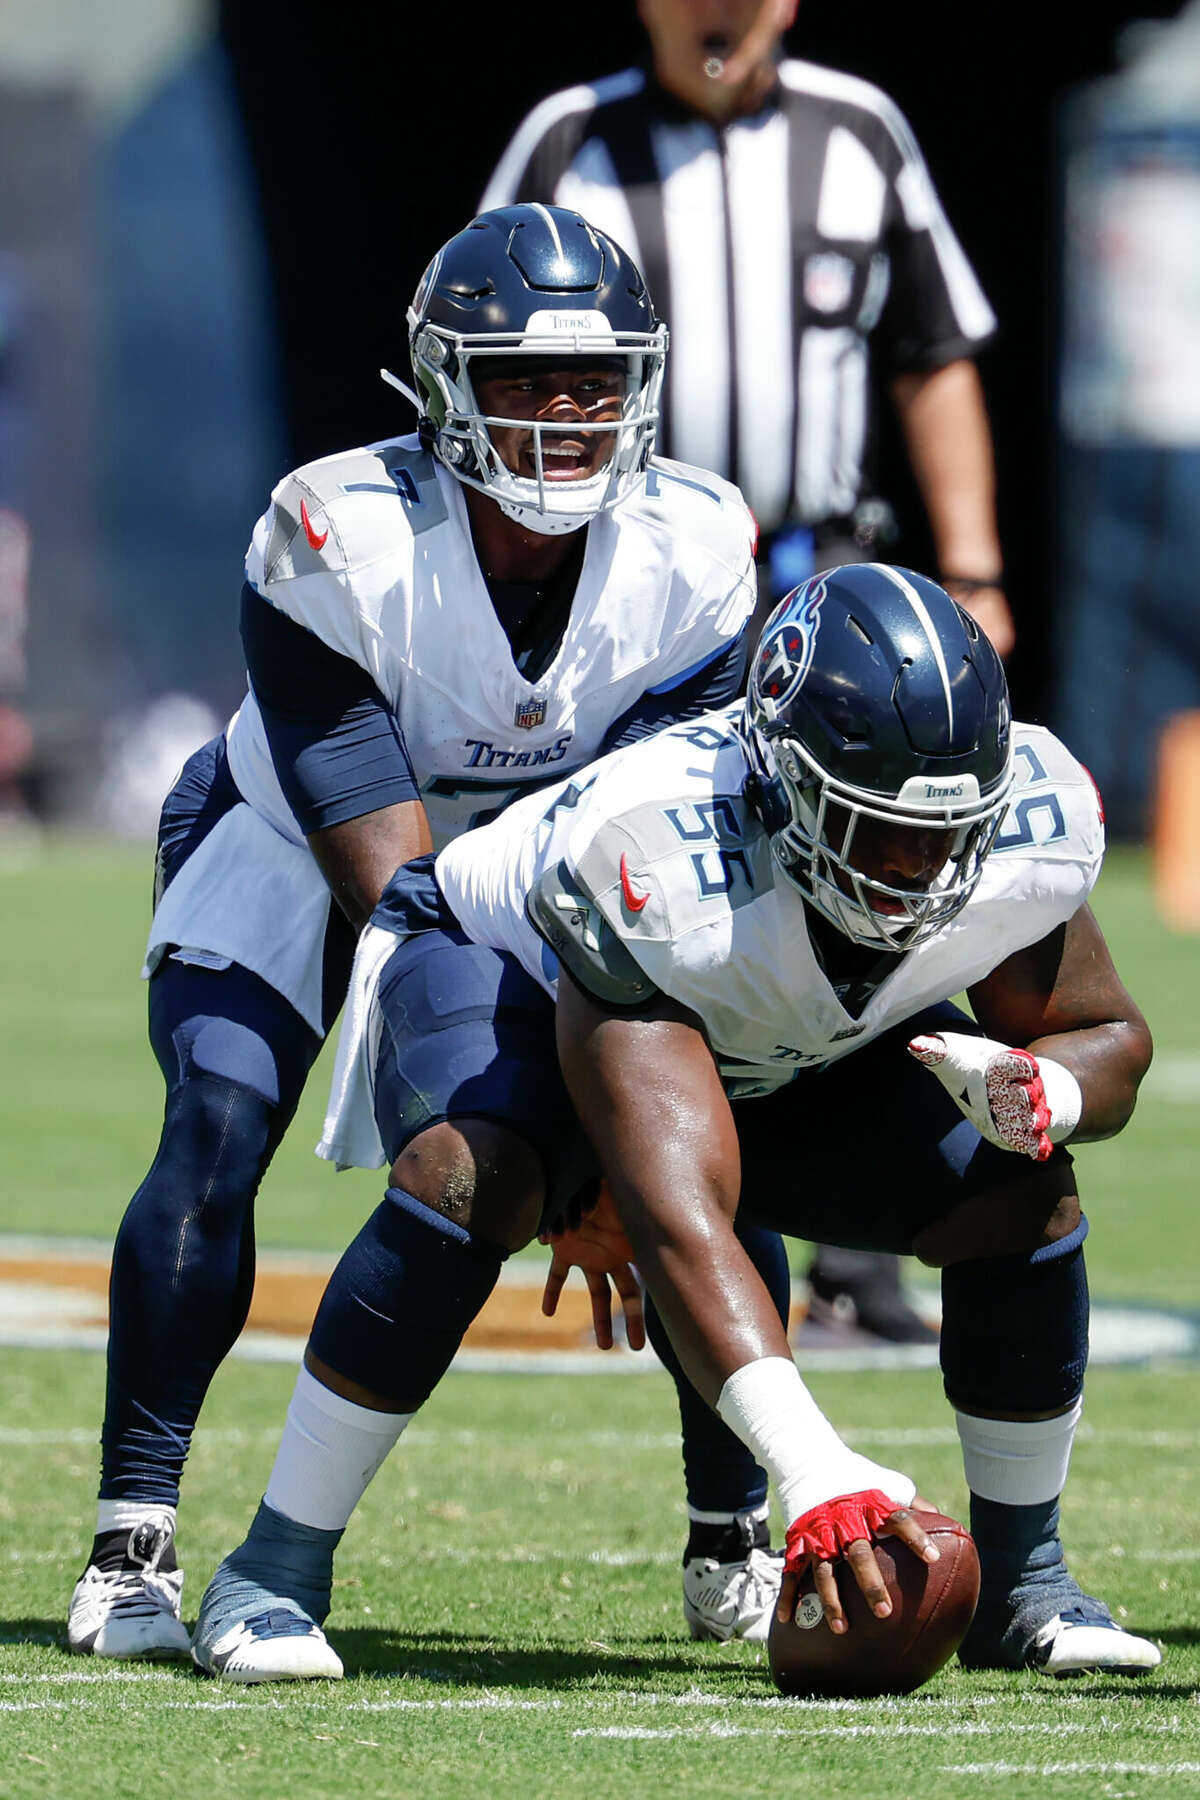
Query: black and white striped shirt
777	248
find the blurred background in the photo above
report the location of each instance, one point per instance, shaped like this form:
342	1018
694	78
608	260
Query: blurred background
213	216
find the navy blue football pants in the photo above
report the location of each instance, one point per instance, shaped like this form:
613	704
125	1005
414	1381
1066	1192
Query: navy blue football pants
864	1153
234	1057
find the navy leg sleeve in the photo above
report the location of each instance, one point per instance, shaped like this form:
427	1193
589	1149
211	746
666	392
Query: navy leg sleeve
720	1473
1015	1340
401	1298
1015	1330
235	1056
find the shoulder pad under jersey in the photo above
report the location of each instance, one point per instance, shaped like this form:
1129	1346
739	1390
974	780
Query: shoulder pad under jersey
564	914
701	502
346	510
1054	813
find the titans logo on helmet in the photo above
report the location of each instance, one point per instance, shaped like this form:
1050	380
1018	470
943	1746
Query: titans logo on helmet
785	653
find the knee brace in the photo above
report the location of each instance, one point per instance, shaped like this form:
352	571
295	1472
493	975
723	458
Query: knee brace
1015	1329
401	1298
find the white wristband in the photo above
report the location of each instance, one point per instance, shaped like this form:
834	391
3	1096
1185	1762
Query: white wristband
1064	1097
768	1406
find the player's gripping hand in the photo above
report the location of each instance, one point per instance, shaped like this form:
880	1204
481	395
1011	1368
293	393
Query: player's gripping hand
599	1247
1012	1098
843	1528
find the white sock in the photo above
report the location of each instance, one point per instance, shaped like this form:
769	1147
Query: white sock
767	1405
329	1451
1019	1462
757	1515
124	1515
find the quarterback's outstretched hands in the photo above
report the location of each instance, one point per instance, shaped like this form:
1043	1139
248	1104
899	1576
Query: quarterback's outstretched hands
599	1247
1013	1098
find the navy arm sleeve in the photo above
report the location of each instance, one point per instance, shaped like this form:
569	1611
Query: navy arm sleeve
337	746
703	688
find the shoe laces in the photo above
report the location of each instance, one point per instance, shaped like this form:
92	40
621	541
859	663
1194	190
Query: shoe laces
136	1592
759	1580
1091	1612
278	1622
137	1587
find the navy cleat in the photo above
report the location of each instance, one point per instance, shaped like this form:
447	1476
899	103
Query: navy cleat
1032	1613
1080	1637
261	1615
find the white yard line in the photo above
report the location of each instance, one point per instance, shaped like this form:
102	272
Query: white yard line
695	1732
892	1724
716	1729
89	1675
1071	1768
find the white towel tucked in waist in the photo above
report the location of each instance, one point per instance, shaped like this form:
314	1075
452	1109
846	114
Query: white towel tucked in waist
351	1137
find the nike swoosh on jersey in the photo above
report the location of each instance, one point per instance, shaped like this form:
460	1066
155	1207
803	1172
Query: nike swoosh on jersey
315	538
633	901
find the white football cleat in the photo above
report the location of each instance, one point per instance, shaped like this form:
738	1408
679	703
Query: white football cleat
280	1643
724	1600
127	1605
1084	1641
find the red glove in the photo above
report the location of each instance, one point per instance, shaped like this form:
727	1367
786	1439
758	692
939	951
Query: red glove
1012	1099
826	1531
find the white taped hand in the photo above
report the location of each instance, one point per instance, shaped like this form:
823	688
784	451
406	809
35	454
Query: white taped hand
1011	1097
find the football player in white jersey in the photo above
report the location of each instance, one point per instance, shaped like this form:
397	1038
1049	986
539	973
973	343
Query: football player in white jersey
432	625
715	969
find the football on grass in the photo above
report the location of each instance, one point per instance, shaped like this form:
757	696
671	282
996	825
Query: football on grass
932	1605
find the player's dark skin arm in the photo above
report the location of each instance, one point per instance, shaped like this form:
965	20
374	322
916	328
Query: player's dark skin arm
649	1095
359	857
1062	998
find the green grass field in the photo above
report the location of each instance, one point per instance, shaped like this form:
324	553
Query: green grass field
508	1596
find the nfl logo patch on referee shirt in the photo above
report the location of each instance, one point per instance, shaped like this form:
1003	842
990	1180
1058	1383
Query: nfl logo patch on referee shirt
828	281
530	712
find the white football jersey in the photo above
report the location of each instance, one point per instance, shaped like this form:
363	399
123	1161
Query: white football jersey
371	551
676	862
667	579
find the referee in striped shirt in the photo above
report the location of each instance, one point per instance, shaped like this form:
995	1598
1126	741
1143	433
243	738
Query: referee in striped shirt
794	243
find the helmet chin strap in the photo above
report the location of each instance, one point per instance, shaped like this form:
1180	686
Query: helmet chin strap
402	387
545	524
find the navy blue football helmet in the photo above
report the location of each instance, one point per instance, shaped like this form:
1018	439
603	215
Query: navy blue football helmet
872	695
533	281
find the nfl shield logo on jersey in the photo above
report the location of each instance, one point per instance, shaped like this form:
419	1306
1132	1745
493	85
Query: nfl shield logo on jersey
530	712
